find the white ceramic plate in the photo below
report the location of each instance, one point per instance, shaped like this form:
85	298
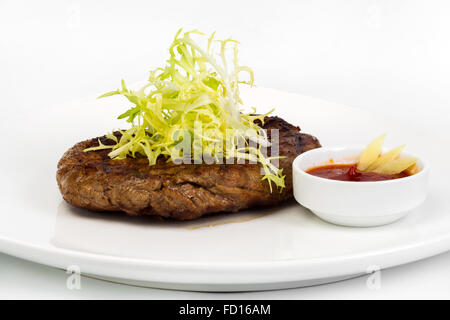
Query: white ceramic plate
277	247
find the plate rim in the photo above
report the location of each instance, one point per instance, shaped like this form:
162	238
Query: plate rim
173	271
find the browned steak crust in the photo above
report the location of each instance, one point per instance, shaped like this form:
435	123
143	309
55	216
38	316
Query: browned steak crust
92	180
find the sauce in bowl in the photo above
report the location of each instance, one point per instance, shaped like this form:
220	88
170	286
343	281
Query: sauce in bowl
348	172
352	201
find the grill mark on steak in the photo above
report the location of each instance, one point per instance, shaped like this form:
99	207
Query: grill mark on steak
93	181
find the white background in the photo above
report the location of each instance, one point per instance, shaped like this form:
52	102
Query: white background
386	56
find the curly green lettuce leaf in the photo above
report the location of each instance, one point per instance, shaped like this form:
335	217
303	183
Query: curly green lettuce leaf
198	86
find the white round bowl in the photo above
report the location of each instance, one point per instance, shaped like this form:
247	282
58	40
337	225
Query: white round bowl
353	203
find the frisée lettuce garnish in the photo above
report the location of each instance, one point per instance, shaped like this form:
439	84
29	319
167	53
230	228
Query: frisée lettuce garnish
197	95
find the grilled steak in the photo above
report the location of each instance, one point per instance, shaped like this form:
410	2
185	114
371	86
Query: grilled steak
93	181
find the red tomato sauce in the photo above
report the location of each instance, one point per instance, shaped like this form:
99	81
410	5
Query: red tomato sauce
348	172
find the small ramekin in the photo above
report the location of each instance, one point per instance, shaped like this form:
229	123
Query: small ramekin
356	204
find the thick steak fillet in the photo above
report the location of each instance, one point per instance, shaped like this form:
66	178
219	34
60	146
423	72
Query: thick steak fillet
93	181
